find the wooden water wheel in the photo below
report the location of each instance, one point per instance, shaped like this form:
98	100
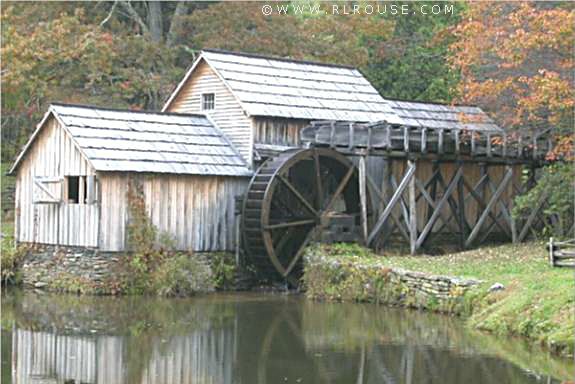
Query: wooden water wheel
293	198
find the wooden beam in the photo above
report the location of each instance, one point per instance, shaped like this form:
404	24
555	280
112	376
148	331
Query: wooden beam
481	204
339	189
412	210
319	185
431	222
494	199
363	196
404	208
298	195
383	199
461	210
393	201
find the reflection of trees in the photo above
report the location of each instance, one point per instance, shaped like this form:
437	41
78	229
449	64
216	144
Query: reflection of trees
411	347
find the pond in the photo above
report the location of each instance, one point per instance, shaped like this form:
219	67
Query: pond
250	339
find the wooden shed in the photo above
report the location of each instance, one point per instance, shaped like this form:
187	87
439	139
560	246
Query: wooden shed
72	178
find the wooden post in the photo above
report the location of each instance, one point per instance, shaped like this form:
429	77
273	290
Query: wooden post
461	210
492	202
551	261
412	210
481	192
363	195
409	173
386	189
512	223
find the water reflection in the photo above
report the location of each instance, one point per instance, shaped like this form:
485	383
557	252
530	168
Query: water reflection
251	339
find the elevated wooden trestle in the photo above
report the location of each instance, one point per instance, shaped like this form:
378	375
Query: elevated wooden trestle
438	183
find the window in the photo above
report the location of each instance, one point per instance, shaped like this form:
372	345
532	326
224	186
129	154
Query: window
73	183
208	101
80	189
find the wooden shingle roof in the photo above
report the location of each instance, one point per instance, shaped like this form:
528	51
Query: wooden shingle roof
132	141
276	87
440	116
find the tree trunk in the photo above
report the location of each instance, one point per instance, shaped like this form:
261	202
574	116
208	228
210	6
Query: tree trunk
177	22
155	20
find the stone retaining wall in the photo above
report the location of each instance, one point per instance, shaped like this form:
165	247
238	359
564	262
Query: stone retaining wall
45	266
350	278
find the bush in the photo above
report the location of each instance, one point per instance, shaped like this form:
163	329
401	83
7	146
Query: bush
10	256
558	182
182	275
153	264
224	269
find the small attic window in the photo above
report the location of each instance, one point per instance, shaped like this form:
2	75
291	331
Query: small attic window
208	101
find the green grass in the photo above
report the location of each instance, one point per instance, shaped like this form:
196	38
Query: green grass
538	300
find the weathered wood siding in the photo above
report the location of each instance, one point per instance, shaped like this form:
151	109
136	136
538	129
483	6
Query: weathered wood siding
197	211
227	113
53	155
278	131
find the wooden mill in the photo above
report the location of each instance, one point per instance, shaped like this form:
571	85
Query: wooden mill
312	150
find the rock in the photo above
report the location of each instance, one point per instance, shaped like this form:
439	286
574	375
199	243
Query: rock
496	287
40	284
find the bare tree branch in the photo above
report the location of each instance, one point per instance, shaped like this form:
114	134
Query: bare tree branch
109	14
134	16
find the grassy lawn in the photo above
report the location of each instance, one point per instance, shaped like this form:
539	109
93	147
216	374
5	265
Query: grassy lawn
538	301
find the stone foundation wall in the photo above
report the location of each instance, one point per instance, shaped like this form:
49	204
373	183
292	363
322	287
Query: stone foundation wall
46	266
331	278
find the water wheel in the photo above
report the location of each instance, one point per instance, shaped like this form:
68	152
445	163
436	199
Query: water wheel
293	198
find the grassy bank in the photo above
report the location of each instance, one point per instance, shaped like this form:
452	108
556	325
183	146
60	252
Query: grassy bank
537	301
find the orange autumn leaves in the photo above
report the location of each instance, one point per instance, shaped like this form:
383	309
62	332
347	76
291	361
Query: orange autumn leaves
516	60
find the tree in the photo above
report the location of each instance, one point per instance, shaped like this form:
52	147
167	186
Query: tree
77	53
243	27
516	61
412	63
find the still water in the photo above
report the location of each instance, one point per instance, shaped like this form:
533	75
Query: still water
251	339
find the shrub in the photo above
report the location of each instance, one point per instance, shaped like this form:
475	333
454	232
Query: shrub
11	256
182	275
153	265
224	269
558	182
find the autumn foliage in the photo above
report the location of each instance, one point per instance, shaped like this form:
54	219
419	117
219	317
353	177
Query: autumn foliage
513	59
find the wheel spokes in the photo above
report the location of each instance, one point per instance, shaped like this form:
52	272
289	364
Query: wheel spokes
319	185
338	190
298	195
299	252
291	224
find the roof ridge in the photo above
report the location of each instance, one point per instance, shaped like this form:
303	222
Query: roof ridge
433	103
278	58
93	107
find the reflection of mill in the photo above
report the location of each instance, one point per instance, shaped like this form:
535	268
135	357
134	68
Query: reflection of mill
44	357
261	340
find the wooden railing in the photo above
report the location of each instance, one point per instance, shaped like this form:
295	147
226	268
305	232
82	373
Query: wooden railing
562	253
439	141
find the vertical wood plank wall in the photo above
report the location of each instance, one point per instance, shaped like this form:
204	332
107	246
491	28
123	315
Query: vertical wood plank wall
227	114
278	131
53	155
197	211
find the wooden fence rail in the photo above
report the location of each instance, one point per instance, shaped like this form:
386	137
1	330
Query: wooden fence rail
562	253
